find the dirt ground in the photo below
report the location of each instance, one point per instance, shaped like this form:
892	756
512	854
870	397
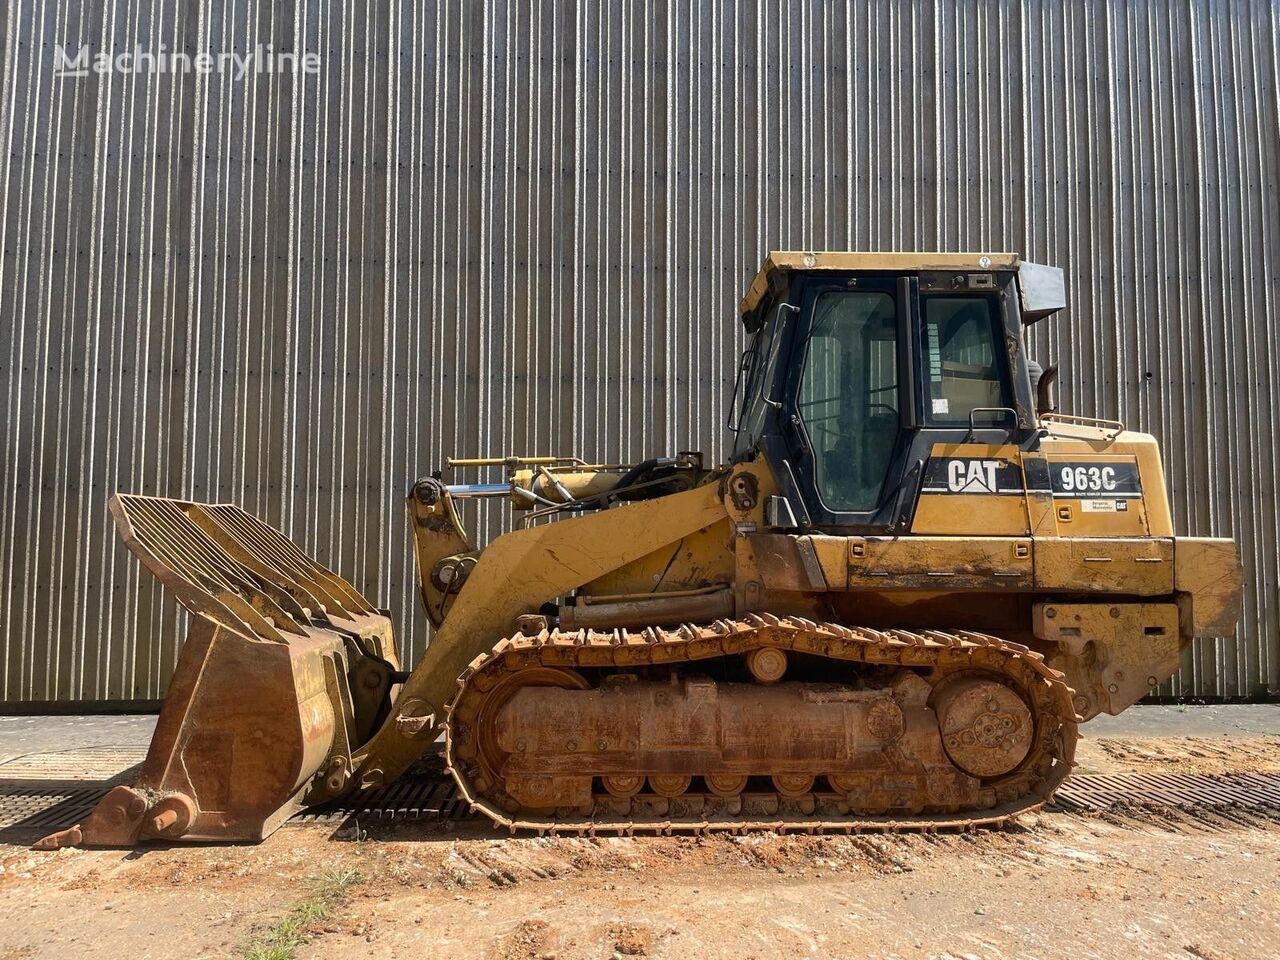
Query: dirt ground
1057	885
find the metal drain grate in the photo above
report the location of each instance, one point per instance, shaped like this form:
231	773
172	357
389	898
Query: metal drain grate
28	812
39	803
425	792
431	795
82	765
1255	792
43	792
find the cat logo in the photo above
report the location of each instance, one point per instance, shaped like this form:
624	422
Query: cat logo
973	476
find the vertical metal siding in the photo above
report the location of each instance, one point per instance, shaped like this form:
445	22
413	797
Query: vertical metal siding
508	227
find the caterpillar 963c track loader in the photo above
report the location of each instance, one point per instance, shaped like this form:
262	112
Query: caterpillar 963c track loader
890	608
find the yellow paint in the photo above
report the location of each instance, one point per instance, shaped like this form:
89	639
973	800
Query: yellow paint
515	575
1112	653
1072	520
702	557
1069	440
833	557
1142	567
972	514
437	533
934	563
1208	574
780	262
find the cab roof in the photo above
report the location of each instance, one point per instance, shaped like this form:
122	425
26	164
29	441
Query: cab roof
779	264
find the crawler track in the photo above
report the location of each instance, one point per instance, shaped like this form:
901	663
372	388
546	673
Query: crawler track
934	653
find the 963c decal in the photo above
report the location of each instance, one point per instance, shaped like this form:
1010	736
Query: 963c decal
1091	479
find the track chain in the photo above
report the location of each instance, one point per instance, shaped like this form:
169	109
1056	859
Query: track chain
1025	789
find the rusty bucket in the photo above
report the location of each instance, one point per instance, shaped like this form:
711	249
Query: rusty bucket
286	669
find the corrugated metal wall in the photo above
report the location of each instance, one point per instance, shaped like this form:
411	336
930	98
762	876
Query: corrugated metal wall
487	228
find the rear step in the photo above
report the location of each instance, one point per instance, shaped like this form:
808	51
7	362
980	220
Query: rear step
286	669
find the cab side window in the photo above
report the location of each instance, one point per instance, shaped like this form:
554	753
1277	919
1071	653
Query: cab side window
962	368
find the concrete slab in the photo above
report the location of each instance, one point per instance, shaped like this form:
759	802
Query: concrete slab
20	736
1227	720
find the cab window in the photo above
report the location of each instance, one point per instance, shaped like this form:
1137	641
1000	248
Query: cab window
961	359
848	396
757	374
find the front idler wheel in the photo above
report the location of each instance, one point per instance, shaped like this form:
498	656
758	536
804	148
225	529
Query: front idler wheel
985	726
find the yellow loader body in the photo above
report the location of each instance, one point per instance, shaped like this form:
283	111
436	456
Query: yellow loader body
891	607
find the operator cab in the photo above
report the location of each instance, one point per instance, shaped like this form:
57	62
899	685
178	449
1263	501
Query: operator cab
859	363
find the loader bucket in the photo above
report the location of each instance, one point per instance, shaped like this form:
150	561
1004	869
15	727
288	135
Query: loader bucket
286	669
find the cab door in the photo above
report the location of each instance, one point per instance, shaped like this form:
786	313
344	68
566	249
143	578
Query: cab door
852	397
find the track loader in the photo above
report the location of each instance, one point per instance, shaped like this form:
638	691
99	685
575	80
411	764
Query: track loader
891	607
